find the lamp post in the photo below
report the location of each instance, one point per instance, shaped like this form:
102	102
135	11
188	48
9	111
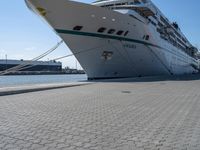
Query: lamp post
76	65
6	62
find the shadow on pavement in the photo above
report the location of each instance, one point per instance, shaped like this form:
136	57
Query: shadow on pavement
154	78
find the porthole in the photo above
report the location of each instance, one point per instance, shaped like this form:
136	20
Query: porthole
101	30
77	28
147	37
126	33
120	32
111	31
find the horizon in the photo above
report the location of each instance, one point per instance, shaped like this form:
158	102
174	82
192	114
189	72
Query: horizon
25	36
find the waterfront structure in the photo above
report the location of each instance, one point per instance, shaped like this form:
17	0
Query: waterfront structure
34	66
119	38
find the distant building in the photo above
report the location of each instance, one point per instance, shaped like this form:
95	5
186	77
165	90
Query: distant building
68	70
35	66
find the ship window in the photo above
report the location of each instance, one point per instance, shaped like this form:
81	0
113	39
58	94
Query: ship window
77	28
147	37
144	1
126	33
118	4
155	17
160	24
137	2
101	30
120	32
111	31
153	23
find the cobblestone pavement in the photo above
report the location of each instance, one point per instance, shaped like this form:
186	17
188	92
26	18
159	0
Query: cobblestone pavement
162	115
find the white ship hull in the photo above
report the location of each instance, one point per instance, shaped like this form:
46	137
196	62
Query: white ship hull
105	55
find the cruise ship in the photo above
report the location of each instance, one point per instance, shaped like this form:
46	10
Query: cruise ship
119	38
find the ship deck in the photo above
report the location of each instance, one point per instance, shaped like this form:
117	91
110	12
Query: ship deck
127	114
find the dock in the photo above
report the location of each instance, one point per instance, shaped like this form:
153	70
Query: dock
127	114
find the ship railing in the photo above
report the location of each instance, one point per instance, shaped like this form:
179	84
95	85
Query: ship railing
144	9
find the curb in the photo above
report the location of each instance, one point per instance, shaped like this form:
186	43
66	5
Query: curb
14	91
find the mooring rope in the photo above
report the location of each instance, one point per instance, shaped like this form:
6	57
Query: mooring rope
80	52
27	63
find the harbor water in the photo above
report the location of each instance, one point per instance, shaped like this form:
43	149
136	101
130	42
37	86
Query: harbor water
7	81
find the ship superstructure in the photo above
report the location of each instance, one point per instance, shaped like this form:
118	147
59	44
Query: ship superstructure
151	14
119	38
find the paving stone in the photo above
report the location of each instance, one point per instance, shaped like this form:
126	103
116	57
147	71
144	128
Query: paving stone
154	115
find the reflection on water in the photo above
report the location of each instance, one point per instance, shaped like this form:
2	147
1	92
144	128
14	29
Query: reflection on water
6	81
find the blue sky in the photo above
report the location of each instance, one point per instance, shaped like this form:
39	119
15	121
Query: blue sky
24	36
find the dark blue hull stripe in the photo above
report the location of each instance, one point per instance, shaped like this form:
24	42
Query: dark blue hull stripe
104	36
